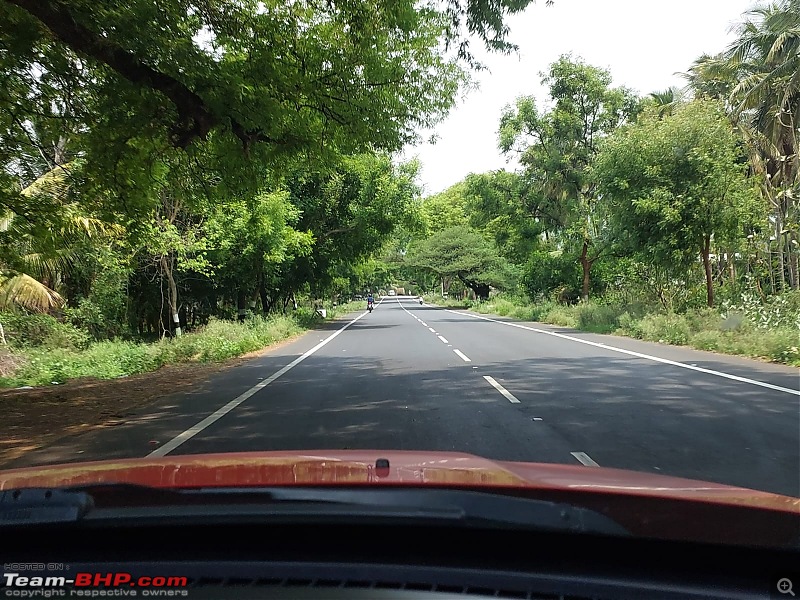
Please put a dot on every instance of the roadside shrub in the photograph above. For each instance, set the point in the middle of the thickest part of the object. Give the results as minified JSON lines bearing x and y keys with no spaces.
{"x":24,"y":330}
{"x":777,"y":345}
{"x":666,"y":329}
{"x":219,"y":340}
{"x":10,"y":362}
{"x":566,"y":316}
{"x":629,"y":325}
{"x":782,"y":310}
{"x":704,"y":319}
{"x":599,"y":318}
{"x":104,"y":360}
{"x":539,"y":311}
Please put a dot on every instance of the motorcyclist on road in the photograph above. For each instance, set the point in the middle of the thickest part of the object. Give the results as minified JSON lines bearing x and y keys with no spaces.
{"x":370,"y":300}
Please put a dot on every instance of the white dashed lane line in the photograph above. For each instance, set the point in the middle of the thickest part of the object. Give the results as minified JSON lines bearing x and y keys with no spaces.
{"x":509,"y":396}
{"x":444,"y":340}
{"x":584,"y":459}
{"x":463,"y":356}
{"x":431,"y":329}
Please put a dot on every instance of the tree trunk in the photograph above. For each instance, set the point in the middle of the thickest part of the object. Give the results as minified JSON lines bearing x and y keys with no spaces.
{"x":241,"y":304}
{"x":587,"y":265}
{"x":793,"y":283}
{"x":706,"y":250}
{"x":481,"y":291}
{"x":781,"y":263}
{"x":266,"y":305}
{"x":172,"y":298}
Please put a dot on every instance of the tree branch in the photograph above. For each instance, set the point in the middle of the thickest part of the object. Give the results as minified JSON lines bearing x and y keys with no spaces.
{"x":194,"y":117}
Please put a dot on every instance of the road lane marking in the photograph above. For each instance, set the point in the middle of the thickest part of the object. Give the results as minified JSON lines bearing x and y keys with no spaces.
{"x":509,"y":396}
{"x":537,"y":418}
{"x":584,"y":459}
{"x":424,"y":323}
{"x":431,"y":329}
{"x":444,"y":340}
{"x":462,"y":355}
{"x":665,"y":361}
{"x":221,"y":412}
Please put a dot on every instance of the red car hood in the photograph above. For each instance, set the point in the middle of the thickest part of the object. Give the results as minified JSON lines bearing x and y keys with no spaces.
{"x":357,"y":467}
{"x":647,"y":504}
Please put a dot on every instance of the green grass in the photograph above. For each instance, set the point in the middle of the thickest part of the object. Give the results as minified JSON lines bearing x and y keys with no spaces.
{"x":217,"y":341}
{"x":447,"y":302}
{"x":704,"y":329}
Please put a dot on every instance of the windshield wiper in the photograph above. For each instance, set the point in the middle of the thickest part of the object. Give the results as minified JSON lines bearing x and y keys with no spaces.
{"x":139,"y":504}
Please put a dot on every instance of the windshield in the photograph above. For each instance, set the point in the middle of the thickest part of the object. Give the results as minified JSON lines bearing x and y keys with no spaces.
{"x":537,"y":245}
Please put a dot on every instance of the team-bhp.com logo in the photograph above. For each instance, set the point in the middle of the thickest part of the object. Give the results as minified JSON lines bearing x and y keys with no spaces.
{"x":92,"y":585}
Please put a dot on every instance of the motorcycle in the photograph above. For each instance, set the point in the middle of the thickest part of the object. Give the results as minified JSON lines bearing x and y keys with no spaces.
{"x":420,"y":300}
{"x":370,"y":306}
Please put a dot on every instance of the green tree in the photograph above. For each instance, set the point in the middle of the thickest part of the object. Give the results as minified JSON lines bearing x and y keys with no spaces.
{"x":758,"y":79}
{"x":557,"y":147}
{"x":671,"y":185}
{"x":460,"y":253}
{"x":499,"y":204}
{"x":765,"y":58}
{"x":445,"y":209}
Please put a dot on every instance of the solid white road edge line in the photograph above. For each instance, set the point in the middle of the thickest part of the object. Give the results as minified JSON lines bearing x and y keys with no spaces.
{"x":584,"y":459}
{"x":444,"y":340}
{"x":463,"y":356}
{"x":501,"y":389}
{"x":221,"y":412}
{"x":665,"y":361}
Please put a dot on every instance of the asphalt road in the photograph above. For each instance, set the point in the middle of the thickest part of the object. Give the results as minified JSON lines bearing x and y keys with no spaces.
{"x":424,"y":378}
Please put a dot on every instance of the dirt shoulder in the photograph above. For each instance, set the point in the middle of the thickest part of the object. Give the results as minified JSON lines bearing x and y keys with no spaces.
{"x":36,"y":417}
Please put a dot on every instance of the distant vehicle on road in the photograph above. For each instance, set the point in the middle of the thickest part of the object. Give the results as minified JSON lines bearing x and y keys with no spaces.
{"x":392,"y":293}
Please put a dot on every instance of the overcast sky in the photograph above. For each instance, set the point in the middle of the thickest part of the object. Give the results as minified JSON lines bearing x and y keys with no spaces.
{"x":641,"y":42}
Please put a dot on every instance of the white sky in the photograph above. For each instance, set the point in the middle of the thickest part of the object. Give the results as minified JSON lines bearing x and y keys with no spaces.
{"x":641,"y":42}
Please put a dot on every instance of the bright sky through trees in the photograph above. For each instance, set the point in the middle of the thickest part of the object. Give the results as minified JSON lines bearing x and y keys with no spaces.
{"x":643,"y":44}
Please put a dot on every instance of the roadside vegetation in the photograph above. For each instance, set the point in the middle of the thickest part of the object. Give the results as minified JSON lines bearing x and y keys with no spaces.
{"x":45,"y":351}
{"x":753,"y":329}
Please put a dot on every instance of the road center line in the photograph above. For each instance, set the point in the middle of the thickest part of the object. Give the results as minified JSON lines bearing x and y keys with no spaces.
{"x":464,"y":357}
{"x":221,"y":412}
{"x":509,"y":396}
{"x":431,"y":329}
{"x":444,"y":340}
{"x":584,"y":459}
{"x":665,"y":361}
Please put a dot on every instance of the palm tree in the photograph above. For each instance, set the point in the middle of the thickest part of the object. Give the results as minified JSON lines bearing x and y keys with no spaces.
{"x":766,"y":60}
{"x":35,"y":255}
{"x":667,"y":100}
{"x":711,"y":77}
